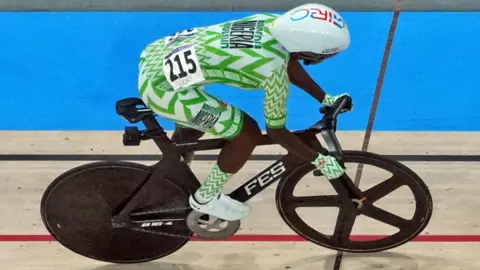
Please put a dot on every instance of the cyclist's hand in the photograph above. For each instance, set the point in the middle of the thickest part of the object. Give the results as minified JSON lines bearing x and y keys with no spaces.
{"x":329,"y":167}
{"x":330,"y":100}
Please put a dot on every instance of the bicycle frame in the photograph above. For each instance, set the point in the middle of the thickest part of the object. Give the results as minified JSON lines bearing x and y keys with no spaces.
{"x":269,"y":175}
{"x":172,"y":158}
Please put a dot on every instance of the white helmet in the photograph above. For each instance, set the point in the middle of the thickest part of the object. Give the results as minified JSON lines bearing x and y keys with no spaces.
{"x":311,"y":28}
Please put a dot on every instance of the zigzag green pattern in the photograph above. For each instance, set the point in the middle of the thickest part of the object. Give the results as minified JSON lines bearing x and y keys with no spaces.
{"x":243,"y":68}
{"x":219,"y":76}
{"x":212,"y":186}
{"x":251,"y":52}
{"x":230,"y":60}
{"x":276,"y":93}
{"x":329,"y":167}
{"x":189,"y":102}
{"x":250,"y":69}
{"x":268,"y":46}
{"x":204,"y":39}
{"x":153,"y":64}
{"x":171,"y":104}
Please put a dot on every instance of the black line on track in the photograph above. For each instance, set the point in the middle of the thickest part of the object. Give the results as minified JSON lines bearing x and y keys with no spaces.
{"x":98,"y":157}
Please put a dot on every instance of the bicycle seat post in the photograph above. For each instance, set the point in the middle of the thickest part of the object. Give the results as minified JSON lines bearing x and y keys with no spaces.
{"x":156,"y":132}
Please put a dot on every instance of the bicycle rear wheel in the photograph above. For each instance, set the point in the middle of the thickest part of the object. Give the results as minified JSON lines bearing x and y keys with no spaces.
{"x":77,"y":209}
{"x":287,"y":204}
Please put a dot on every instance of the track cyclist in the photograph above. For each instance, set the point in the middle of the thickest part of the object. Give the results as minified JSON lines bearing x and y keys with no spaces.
{"x":262,"y":51}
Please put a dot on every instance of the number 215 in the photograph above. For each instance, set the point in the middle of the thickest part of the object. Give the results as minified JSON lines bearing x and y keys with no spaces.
{"x":192,"y":67}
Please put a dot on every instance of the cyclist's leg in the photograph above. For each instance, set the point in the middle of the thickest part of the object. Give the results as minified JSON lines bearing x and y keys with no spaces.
{"x":186,"y":135}
{"x":243,"y":143}
{"x":196,"y":109}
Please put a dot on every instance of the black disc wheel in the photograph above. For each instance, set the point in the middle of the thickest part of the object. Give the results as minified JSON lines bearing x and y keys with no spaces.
{"x":341,"y":238}
{"x":77,"y":209}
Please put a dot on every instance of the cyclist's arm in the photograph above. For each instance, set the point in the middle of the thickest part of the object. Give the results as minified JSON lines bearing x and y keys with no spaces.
{"x":299,"y":77}
{"x":275,"y":109}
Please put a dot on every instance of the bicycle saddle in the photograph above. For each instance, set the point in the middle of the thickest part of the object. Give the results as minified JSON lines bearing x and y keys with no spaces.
{"x":133,"y":109}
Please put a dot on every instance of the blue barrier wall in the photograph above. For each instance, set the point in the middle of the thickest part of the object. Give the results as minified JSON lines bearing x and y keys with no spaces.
{"x":64,"y":71}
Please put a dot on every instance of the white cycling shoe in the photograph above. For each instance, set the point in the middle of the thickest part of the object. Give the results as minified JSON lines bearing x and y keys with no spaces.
{"x":222,"y":206}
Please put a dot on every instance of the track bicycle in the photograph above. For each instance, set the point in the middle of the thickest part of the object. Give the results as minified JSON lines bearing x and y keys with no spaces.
{"x":126,"y":212}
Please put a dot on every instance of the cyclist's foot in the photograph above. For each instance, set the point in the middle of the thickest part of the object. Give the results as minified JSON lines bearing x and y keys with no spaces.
{"x":221,"y":206}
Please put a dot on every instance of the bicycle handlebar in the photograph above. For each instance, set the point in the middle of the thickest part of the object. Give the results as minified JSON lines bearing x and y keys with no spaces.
{"x":327,"y":126}
{"x":329,"y":120}
{"x":340,"y":106}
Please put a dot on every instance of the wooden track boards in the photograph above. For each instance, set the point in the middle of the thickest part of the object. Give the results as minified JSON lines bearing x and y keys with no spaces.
{"x":454,"y":187}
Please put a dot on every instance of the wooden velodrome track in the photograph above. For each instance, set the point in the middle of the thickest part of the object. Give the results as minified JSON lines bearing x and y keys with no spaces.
{"x":31,"y":160}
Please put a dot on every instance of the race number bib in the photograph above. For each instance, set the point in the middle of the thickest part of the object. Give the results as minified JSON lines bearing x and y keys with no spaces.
{"x":182,"y":68}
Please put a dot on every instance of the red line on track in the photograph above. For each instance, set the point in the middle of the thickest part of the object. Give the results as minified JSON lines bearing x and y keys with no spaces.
{"x":270,"y":238}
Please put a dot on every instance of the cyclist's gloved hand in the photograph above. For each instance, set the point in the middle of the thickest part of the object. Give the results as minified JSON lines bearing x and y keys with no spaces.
{"x":330,"y":100}
{"x":329,"y":166}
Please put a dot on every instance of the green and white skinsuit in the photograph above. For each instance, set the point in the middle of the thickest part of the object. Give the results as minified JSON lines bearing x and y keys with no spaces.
{"x":241,"y":53}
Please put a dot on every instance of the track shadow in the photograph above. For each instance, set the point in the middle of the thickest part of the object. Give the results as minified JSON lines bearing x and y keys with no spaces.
{"x":381,"y":260}
{"x":253,"y":261}
{"x":186,"y":263}
{"x":150,"y":266}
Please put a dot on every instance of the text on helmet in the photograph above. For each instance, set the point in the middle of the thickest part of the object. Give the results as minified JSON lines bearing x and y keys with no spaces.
{"x":317,"y":14}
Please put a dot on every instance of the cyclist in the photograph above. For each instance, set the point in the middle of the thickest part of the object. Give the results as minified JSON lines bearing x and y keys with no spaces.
{"x":262,"y":51}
